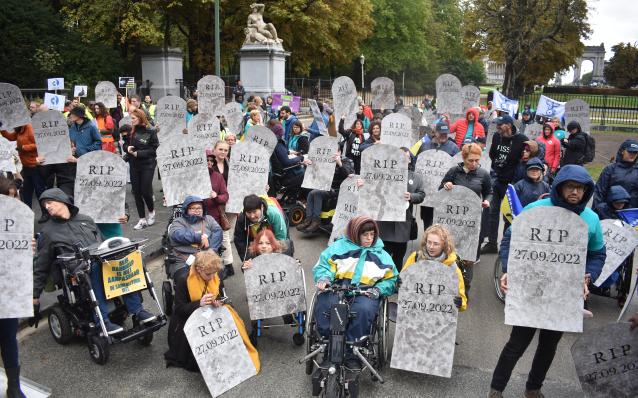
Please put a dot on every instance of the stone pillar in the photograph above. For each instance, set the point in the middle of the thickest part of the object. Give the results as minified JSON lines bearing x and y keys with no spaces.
{"x":262,"y":68}
{"x":163,"y":70}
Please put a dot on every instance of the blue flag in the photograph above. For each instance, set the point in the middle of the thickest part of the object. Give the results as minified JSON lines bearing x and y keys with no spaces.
{"x":630,"y":216}
{"x":512,"y":198}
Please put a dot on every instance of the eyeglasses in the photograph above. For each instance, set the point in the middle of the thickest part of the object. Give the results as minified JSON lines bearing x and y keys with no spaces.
{"x":574,"y":187}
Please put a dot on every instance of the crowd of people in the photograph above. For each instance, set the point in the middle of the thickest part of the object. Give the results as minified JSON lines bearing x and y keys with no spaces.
{"x":545,"y":171}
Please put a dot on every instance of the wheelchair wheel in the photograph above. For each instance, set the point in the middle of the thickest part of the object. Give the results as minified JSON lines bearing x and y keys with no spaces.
{"x":167,"y":297}
{"x":498,"y":272}
{"x":382,"y":335}
{"x":60,"y":325}
{"x":310,"y":333}
{"x":253,"y":334}
{"x":296,"y":214}
{"x":99,"y":349}
{"x":332,"y":388}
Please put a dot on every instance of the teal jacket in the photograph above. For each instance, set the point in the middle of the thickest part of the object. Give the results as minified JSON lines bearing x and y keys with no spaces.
{"x":344,"y":260}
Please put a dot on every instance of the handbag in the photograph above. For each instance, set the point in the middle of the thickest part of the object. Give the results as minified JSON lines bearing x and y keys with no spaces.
{"x":223,"y":218}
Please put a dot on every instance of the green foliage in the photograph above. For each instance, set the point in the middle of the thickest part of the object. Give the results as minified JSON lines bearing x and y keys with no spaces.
{"x":622,"y":70}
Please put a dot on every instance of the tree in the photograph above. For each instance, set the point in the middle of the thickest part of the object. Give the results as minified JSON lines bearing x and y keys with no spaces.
{"x":535,"y":39}
{"x":621,"y":71}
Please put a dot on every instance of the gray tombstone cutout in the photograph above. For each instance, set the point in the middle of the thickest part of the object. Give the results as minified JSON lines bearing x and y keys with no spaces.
{"x":459,"y":210}
{"x":486,"y":162}
{"x":545,"y":271}
{"x":248,"y":173}
{"x":211,"y":97}
{"x":262,"y":136}
{"x":396,"y":130}
{"x":16,"y":284}
{"x":13,"y":110}
{"x":234,"y":117}
{"x":182,"y":164}
{"x":7,"y":151}
{"x":126,"y":120}
{"x":456,"y":159}
{"x":620,"y":242}
{"x":578,"y":111}
{"x":170,"y":116}
{"x":106,"y":93}
{"x":346,"y":208}
{"x":318,"y":117}
{"x":415,"y":116}
{"x":426,"y":319}
{"x":533,"y":131}
{"x":218,"y":349}
{"x":382,"y":93}
{"x":471,"y":96}
{"x":428,"y":117}
{"x":384,"y":170}
{"x":448,"y":95}
{"x":320,"y":173}
{"x":100,"y":186}
{"x":274,"y":286}
{"x":606,"y":361}
{"x":205,"y":128}
{"x":631,"y":304}
{"x":344,"y":96}
{"x":51,"y":137}
{"x":432,"y":165}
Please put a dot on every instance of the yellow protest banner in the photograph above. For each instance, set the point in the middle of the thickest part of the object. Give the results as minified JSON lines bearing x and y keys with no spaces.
{"x":123,"y":276}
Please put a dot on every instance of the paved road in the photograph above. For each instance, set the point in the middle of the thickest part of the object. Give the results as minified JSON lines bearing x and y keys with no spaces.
{"x":137,"y":371}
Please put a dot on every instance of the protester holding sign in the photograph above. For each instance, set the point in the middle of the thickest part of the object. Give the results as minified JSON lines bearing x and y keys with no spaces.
{"x":353,"y":138}
{"x":441,"y":141}
{"x":83,"y":133}
{"x":289,"y":166}
{"x":195,"y":287}
{"x":106,"y":127}
{"x":468,"y":127}
{"x":253,"y":120}
{"x":288,"y":119}
{"x":28,"y":153}
{"x":623,"y":172}
{"x":374,"y":136}
{"x":572,"y":189}
{"x":258,"y":214}
{"x":617,"y":199}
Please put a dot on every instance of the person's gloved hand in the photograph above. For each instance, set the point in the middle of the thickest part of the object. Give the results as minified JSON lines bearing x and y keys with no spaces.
{"x":35,"y":319}
{"x":458,"y":302}
{"x":399,"y":282}
{"x":373,"y":293}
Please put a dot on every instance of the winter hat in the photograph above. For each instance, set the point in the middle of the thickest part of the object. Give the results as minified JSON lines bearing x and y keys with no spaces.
{"x":505,"y":119}
{"x":278,"y":130}
{"x":573,"y":125}
{"x":535,"y":163}
{"x":78,"y":111}
{"x":631,"y":146}
{"x":617,"y":193}
{"x":355,"y":226}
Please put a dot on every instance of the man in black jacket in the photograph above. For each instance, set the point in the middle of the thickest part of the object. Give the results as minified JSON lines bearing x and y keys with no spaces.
{"x":574,"y":145}
{"x":506,"y":152}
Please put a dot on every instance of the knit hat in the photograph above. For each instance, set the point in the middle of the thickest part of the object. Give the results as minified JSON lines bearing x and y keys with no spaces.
{"x":356,"y":225}
{"x":278,"y":130}
{"x":78,"y":111}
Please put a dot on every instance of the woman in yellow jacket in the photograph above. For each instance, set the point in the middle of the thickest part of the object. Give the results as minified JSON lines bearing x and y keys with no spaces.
{"x":438,"y":245}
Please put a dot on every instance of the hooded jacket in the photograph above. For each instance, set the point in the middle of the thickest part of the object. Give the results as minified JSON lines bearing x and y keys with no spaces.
{"x":245,"y":231}
{"x":58,"y":236}
{"x":461,"y":126}
{"x":620,"y":173}
{"x":448,"y":147}
{"x":521,"y":167}
{"x":607,"y":211}
{"x":575,"y":146}
{"x":552,"y":147}
{"x":186,"y":232}
{"x":25,"y":144}
{"x":86,"y":137}
{"x":506,"y":153}
{"x":528,"y":191}
{"x":596,"y":252}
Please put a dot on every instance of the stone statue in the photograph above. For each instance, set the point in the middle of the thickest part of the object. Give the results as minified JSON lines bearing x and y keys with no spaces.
{"x":257,"y":31}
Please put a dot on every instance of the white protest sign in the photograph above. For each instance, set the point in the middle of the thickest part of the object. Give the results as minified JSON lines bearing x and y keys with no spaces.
{"x":80,"y":91}
{"x":344,"y":96}
{"x":211,"y":95}
{"x":205,"y":128}
{"x":396,"y":130}
{"x":432,"y":165}
{"x":234,"y":117}
{"x":382,"y":93}
{"x":56,"y":83}
{"x":318,"y":117}
{"x":346,"y":208}
{"x":170,"y":116}
{"x":578,"y":111}
{"x":448,"y":95}
{"x":54,"y":101}
{"x":262,"y":136}
{"x":549,"y":107}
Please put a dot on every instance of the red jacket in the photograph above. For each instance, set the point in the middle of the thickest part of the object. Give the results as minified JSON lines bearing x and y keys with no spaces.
{"x":552,"y":148}
{"x":25,"y":141}
{"x":460,"y":127}
{"x":219,"y":186}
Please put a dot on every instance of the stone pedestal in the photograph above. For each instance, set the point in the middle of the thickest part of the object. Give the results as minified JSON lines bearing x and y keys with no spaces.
{"x":163,"y":70}
{"x":263,"y":68}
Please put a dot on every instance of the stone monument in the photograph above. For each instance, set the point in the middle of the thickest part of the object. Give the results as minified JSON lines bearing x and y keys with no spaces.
{"x":262,"y":57}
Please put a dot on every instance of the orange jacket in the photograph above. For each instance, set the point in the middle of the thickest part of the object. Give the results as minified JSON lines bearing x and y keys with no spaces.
{"x":25,"y":144}
{"x":460,"y":127}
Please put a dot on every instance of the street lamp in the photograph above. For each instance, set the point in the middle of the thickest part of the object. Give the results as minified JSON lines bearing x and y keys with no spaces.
{"x":363,"y":60}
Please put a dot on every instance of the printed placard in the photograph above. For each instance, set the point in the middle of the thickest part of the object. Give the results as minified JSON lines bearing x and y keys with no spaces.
{"x":578,"y":111}
{"x":620,"y":242}
{"x":234,"y":117}
{"x":448,"y":95}
{"x":262,"y":136}
{"x":123,"y":276}
{"x":317,"y":117}
{"x":7,"y":153}
{"x":55,"y":83}
{"x":170,"y":116}
{"x":344,"y":97}
{"x":432,"y":165}
{"x":106,"y":93}
{"x":80,"y":91}
{"x":54,"y":101}
{"x":205,"y":128}
{"x":396,"y":130}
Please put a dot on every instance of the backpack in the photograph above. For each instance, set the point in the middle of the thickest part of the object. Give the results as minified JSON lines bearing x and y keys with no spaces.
{"x":590,"y":148}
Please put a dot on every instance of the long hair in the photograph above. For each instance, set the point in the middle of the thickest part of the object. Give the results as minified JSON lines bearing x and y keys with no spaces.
{"x":254,"y":245}
{"x":141,"y":116}
{"x":103,"y":111}
{"x":441,"y":232}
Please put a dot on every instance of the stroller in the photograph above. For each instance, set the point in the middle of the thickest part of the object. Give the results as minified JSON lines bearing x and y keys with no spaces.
{"x":74,"y":314}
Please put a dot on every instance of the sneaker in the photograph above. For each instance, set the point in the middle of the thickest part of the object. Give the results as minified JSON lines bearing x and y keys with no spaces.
{"x":304,"y":224}
{"x":489,"y":248}
{"x":314,"y":225}
{"x":113,"y":328}
{"x":495,"y":394}
{"x":151,"y":218}
{"x":144,"y":316}
{"x":141,"y":224}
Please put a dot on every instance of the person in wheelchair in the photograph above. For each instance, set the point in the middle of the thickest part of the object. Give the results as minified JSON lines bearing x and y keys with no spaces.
{"x":198,"y":286}
{"x":316,"y":197}
{"x":192,"y":232}
{"x":355,"y":259}
{"x":288,"y":169}
{"x":438,"y":245}
{"x":64,"y":228}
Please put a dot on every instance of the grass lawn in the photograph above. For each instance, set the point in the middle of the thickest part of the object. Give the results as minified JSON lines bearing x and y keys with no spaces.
{"x":594,"y":170}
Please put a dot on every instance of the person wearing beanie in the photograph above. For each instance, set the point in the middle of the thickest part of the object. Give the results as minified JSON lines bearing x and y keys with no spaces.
{"x":575,"y":145}
{"x":623,"y":172}
{"x":617,"y":199}
{"x":83,"y":132}
{"x":530,"y":188}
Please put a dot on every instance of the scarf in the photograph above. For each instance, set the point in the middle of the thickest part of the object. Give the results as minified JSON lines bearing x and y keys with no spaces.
{"x":357,"y":131}
{"x":197,"y":287}
{"x":423,"y":254}
{"x":292,"y":142}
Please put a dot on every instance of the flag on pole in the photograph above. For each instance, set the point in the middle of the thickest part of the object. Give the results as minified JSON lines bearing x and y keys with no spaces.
{"x":550,"y":108}
{"x":502,"y":103}
{"x":630,"y":216}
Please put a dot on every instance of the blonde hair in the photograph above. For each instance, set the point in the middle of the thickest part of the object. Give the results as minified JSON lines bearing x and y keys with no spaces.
{"x":441,"y":232}
{"x":254,"y":112}
{"x":471,"y":148}
{"x":208,"y":260}
{"x":220,"y":142}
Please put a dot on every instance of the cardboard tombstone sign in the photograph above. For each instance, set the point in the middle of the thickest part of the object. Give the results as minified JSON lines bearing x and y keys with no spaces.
{"x":234,"y":117}
{"x":262,"y":136}
{"x":16,"y":284}
{"x":545,"y":271}
{"x":448,"y":95}
{"x":170,"y":116}
{"x":320,"y":173}
{"x":182,"y":164}
{"x":620,"y":242}
{"x":396,"y":130}
{"x":218,"y":348}
{"x":486,"y":161}
{"x":533,"y":130}
{"x":344,"y":96}
{"x":205,"y":128}
{"x":317,"y":117}
{"x":100,"y":186}
{"x":106,"y":93}
{"x":606,"y":361}
{"x":578,"y":111}
{"x":51,"y":134}
{"x":248,"y":173}
{"x":428,"y":117}
{"x":211,"y":95}
{"x":456,"y":159}
{"x":459,"y":210}
{"x":275,"y":286}
{"x":426,"y":319}
{"x":415,"y":116}
{"x":7,"y":152}
{"x":346,"y":208}
{"x":432,"y":165}
{"x":382,"y":93}
{"x":631,"y":303}
{"x":384,"y":170}
{"x":13,"y":110}
{"x":471,"y":96}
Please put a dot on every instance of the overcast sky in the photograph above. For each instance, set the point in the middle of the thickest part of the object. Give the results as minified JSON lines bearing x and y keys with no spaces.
{"x":612,"y":21}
